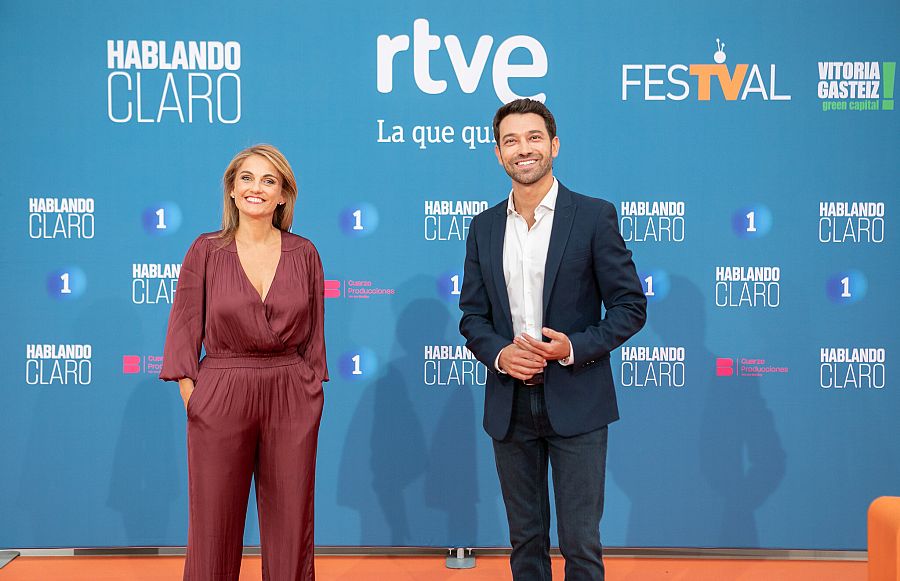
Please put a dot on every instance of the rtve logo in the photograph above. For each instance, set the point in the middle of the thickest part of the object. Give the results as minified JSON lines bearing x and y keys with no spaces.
{"x":468,"y":72}
{"x":679,"y":88}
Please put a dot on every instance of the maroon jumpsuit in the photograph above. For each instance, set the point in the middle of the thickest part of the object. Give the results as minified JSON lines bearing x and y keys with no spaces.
{"x":255,"y":408}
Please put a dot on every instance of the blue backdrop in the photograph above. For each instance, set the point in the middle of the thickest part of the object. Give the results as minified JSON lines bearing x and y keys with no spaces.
{"x":729,"y":137}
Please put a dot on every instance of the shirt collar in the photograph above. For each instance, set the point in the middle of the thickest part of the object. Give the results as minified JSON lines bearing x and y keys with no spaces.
{"x":549,"y":201}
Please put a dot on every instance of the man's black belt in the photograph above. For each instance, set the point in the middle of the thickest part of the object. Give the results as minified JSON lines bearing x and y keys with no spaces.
{"x":536,"y":379}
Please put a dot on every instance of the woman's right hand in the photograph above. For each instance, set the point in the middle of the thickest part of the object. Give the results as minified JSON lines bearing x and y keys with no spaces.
{"x":186,"y":386}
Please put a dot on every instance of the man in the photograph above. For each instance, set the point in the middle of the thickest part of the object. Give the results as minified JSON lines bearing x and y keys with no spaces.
{"x":538,"y":266}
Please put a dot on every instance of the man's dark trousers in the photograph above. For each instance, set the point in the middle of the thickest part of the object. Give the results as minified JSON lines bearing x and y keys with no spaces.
{"x":579,"y":466}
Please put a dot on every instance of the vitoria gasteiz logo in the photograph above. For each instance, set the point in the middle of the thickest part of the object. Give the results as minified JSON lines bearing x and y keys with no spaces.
{"x":856,"y":85}
{"x":700,"y":81}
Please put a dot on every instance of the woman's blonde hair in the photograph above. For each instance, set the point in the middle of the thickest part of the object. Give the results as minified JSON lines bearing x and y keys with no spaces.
{"x":284,"y":214}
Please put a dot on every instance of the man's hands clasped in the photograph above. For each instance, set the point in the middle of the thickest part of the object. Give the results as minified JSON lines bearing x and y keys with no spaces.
{"x":527,"y":356}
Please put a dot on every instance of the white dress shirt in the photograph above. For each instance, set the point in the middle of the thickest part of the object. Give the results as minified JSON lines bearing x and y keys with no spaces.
{"x":524,"y":260}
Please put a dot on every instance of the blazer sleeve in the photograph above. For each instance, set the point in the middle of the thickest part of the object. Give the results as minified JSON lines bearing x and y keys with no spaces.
{"x":621,"y":290}
{"x":476,"y":324}
{"x":314,"y":351}
{"x":184,"y":337}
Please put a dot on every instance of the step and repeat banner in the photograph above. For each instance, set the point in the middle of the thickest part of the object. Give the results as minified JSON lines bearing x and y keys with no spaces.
{"x":751,"y":152}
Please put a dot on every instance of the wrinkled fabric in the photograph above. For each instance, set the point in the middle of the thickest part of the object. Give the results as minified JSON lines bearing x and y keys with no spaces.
{"x":256,"y":405}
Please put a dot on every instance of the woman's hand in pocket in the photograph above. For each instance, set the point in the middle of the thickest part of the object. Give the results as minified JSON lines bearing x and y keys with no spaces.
{"x":186,"y":385}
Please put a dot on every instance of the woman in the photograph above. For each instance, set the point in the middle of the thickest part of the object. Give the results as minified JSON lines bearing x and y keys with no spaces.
{"x":252,"y":293}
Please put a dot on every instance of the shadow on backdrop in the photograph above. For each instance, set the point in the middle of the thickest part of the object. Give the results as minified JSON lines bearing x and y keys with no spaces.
{"x":712,"y":456}
{"x":78,"y":462}
{"x":417,"y":441}
{"x":145,"y":479}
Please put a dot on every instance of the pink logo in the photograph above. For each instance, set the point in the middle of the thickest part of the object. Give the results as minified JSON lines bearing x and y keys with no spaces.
{"x":131,"y":364}
{"x":332,"y":289}
{"x":724,"y":366}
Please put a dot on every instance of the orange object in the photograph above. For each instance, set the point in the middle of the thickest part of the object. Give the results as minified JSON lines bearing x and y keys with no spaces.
{"x":330,"y":568}
{"x":884,"y":539}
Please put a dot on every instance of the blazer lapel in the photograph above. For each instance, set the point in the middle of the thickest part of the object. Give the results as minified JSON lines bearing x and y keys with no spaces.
{"x":498,"y":234}
{"x":563,"y":218}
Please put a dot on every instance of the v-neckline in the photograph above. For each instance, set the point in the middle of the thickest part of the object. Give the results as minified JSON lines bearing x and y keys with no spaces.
{"x":262,"y":299}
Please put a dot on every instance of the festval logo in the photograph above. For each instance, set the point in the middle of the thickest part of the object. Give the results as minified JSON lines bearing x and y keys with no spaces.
{"x":680,"y":81}
{"x":162,"y":219}
{"x":856,"y":85}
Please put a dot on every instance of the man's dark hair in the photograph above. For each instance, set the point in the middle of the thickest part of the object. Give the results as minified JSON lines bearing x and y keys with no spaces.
{"x":520,"y":107}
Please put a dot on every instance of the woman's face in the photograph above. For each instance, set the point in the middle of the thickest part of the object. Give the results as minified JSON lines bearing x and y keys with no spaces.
{"x":257,"y":188}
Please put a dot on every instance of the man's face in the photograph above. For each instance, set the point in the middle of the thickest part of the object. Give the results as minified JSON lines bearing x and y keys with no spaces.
{"x":525,"y":149}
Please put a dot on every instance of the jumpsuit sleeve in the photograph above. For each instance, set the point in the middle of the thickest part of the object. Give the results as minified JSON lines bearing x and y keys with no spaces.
{"x":181,"y":356}
{"x":314,"y":351}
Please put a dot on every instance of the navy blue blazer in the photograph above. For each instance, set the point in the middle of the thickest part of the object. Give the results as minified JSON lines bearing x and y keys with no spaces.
{"x":587,"y":264}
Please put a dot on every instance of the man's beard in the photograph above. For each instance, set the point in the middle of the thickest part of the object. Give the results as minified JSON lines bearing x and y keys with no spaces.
{"x":528,"y":177}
